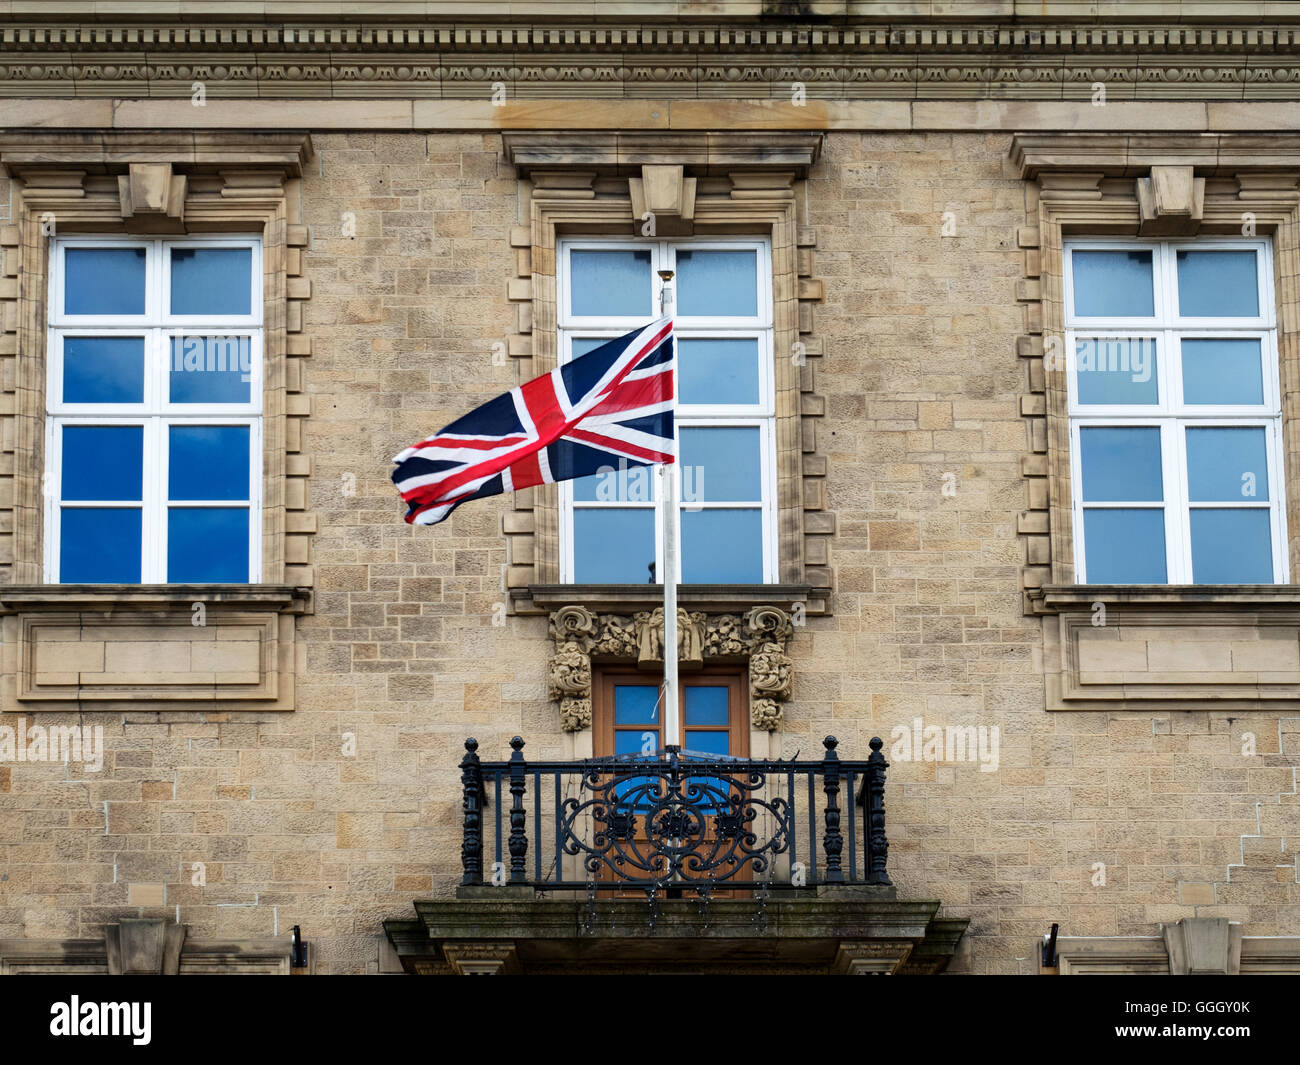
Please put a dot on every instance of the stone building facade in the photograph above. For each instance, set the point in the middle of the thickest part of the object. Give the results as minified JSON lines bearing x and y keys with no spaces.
{"x":285,"y":751}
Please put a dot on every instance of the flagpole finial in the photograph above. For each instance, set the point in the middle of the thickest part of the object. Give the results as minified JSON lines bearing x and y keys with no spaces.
{"x":665,"y":293}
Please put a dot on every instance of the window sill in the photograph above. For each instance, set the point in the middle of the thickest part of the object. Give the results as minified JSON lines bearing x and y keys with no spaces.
{"x":630,"y":598}
{"x":18,"y":598}
{"x":1059,"y":598}
{"x":1170,"y":647}
{"x":155,"y":648}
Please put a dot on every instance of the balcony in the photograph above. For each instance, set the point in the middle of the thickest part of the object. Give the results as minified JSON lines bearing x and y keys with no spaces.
{"x":674,"y":863}
{"x":674,"y":824}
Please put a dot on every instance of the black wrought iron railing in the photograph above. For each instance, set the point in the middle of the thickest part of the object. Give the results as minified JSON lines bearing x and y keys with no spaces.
{"x":674,"y":823}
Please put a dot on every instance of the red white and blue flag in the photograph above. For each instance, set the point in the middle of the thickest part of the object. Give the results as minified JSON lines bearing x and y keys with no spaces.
{"x":610,"y":408}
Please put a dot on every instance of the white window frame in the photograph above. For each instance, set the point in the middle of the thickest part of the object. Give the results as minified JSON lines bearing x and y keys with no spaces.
{"x":1170,"y":414}
{"x":761,"y":414}
{"x":155,"y":413}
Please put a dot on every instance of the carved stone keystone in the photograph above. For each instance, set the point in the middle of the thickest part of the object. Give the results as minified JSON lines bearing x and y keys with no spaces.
{"x":1171,"y":201}
{"x":153,"y":198}
{"x":144,"y":946}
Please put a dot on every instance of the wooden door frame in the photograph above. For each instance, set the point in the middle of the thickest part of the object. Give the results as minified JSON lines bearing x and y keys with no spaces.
{"x":602,"y":704}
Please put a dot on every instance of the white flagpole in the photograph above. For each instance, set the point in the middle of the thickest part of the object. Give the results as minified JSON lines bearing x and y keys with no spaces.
{"x":671,"y":725}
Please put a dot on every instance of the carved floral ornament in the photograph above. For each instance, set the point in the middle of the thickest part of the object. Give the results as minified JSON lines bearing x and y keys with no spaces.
{"x":760,"y":635}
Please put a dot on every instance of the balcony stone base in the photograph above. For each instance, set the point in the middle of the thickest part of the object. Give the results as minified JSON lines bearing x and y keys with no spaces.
{"x":851,"y":931}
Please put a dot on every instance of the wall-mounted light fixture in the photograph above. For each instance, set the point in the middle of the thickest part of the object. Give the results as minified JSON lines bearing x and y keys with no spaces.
{"x":298,"y":955}
{"x":1049,"y":949}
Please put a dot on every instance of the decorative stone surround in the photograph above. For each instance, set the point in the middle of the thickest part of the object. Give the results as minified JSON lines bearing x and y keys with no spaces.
{"x":681,"y":57}
{"x":90,"y":183}
{"x":1102,"y":184}
{"x":713,"y":183}
{"x":760,"y":636}
{"x":1151,"y":648}
{"x":149,"y":183}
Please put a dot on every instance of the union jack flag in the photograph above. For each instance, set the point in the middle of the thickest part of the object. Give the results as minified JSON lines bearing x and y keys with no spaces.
{"x":610,"y":407}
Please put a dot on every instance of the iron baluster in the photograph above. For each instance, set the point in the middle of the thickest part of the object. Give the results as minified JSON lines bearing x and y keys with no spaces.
{"x":518,"y":816}
{"x":471,"y":847}
{"x":873,"y":814}
{"x":833,"y":844}
{"x":537,"y":823}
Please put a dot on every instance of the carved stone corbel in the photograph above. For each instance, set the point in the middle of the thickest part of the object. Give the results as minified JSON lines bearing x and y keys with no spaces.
{"x":769,"y":686}
{"x":569,"y":682}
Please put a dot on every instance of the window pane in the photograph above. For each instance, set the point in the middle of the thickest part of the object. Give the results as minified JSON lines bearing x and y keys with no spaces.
{"x":722,"y":547}
{"x":103,"y":369}
{"x":211,"y":280}
{"x":613,"y":546}
{"x":1113,"y":284}
{"x":610,"y":282}
{"x":710,"y":743}
{"x":718,"y":371}
{"x":1125,"y":546}
{"x":1227,"y":465}
{"x":630,"y":741}
{"x":207,"y":544}
{"x":636,"y":704}
{"x":99,"y":545}
{"x":619,"y":482}
{"x":1120,"y":464}
{"x":103,"y":461}
{"x":1116,"y":370}
{"x":211,"y":369}
{"x":1222,"y":371}
{"x":208,"y":462}
{"x":707,"y":704}
{"x":1217,"y":284}
{"x":103,"y":281}
{"x":1231,"y":546}
{"x":721,"y":465}
{"x":585,"y":345}
{"x":717,"y":283}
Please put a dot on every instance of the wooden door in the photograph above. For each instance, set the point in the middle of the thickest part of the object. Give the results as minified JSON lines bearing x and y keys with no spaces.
{"x":713,"y":721}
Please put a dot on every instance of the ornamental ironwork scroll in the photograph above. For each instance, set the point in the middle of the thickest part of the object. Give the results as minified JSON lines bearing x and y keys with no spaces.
{"x":671,"y":820}
{"x":760,"y":635}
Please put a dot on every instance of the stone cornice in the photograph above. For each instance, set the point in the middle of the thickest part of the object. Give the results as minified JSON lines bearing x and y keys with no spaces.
{"x":43,"y":149}
{"x":1129,"y":155}
{"x":511,"y":34}
{"x":745,"y":58}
